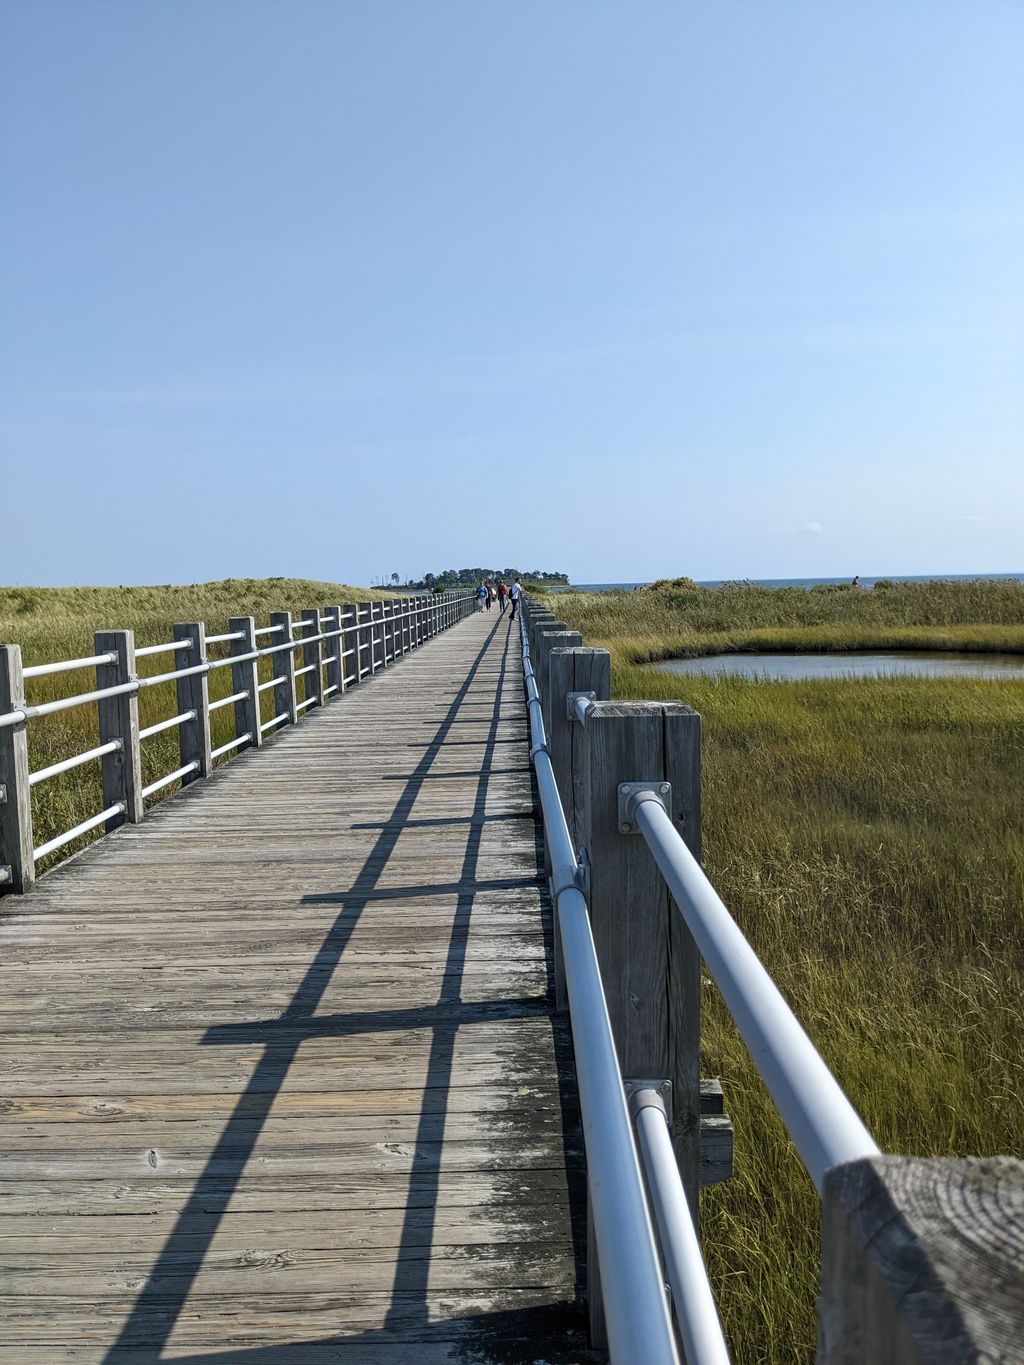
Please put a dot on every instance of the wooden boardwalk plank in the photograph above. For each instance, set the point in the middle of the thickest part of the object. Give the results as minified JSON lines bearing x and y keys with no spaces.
{"x":280,"y":1076}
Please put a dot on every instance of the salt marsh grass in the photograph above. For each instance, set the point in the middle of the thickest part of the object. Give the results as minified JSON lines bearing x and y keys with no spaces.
{"x":867,"y":835}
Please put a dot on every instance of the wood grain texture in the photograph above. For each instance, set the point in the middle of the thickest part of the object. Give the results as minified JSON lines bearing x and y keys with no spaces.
{"x":682,"y":770}
{"x":283,"y":666}
{"x":281,"y":1077}
{"x":16,"y":808}
{"x":119,"y":719}
{"x":245,"y":677}
{"x":922,"y":1262}
{"x":193,"y":694}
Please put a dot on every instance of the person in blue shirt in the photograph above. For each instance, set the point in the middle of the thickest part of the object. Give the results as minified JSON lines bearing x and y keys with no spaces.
{"x":481,"y":597}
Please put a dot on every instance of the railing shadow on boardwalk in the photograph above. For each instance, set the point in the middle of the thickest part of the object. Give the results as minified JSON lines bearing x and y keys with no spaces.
{"x":496,"y":1336}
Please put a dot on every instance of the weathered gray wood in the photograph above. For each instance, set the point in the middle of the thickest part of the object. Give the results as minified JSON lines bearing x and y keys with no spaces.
{"x":193,"y":694}
{"x":628,"y":902}
{"x":350,"y":650}
{"x":378,"y":657}
{"x":577,"y":669}
{"x":312,"y":656}
{"x":922,"y":1262}
{"x":651,"y":974}
{"x":683,"y":771}
{"x":277,"y":1068}
{"x":245,"y":677}
{"x":283,"y":664}
{"x":556,"y":638}
{"x":333,"y":649}
{"x":592,"y":672}
{"x":364,"y":654}
{"x":17,"y":867}
{"x":119,"y":719}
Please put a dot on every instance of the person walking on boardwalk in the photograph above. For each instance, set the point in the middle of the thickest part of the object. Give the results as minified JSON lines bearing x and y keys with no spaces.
{"x":481,"y":597}
{"x":514,"y":593}
{"x":490,"y":594}
{"x":502,"y":596}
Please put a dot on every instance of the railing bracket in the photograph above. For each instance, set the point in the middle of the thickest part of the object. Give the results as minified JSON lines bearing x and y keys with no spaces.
{"x":648,"y":1093}
{"x":630,"y":796}
{"x":3,"y":793}
{"x":5,"y":874}
{"x":571,"y":698}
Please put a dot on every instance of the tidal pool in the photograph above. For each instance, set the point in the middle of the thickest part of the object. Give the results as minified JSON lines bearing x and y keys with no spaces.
{"x":919,"y":663}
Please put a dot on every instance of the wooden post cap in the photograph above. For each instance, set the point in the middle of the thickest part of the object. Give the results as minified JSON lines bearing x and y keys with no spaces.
{"x":922,"y":1261}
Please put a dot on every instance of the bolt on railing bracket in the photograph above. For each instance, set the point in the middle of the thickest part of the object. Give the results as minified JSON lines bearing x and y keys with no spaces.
{"x":571,"y":698}
{"x":576,"y":878}
{"x":631,"y":794}
{"x":583,"y":873}
{"x":648,"y":1093}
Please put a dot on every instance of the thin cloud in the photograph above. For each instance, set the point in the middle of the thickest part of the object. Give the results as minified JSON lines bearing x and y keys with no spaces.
{"x":808,"y":528}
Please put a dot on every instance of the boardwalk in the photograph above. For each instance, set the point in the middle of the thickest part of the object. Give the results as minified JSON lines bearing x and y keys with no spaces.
{"x":280,"y":1077}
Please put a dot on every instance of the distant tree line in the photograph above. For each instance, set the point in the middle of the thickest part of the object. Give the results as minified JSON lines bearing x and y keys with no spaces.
{"x":467,"y":578}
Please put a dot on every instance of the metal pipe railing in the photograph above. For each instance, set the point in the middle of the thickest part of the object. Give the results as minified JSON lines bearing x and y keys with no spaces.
{"x":162,"y":782}
{"x":65,"y":665}
{"x":168,"y":724}
{"x":636,"y":1313}
{"x":825,"y":1128}
{"x":692,"y":1297}
{"x":231,"y":744}
{"x":67,"y":764}
{"x":143,"y":651}
{"x":54,"y":844}
{"x":226,"y":701}
{"x":19,"y":712}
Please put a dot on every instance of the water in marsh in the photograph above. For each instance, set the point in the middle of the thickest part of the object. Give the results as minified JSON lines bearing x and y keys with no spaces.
{"x":921,"y":663}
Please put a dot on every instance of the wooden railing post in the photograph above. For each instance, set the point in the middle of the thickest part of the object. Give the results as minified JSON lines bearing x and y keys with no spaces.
{"x":313,"y":656}
{"x":363,"y":638}
{"x":649,"y":965}
{"x":245,"y":677}
{"x":395,"y":614}
{"x":119,"y":719}
{"x":193,"y":694}
{"x":284,"y":667}
{"x":552,"y":637}
{"x":17,"y":865}
{"x":594,"y":669}
{"x":922,"y":1262}
{"x":333,"y":650}
{"x":376,"y":637}
{"x":349,"y":646}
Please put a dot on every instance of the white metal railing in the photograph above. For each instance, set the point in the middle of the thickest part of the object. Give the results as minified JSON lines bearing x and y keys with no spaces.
{"x":824,"y":1126}
{"x":326,"y":637}
{"x":635,"y":1309}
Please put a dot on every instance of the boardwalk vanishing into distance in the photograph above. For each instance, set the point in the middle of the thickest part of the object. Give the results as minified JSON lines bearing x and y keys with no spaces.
{"x":381,"y":1041}
{"x":282,"y":1080}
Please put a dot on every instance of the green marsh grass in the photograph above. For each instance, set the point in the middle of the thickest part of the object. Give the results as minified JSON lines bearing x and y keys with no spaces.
{"x":867,"y":836}
{"x":59,"y":623}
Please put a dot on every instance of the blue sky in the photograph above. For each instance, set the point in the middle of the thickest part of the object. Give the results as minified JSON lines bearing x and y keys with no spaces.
{"x":343,"y":289}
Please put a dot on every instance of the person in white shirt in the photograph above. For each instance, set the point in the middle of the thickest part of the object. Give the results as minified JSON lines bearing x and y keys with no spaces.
{"x":513,"y":596}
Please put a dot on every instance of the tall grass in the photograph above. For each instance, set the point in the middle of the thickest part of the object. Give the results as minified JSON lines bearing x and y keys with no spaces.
{"x":59,"y":623}
{"x":867,"y":835}
{"x":672,"y":621}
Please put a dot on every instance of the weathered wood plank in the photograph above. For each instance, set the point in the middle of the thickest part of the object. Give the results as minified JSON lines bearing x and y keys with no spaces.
{"x":278,"y":1068}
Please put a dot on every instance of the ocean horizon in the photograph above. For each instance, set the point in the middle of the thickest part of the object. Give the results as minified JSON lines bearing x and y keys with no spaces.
{"x":864,"y":581}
